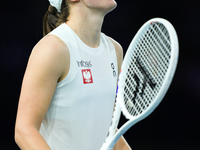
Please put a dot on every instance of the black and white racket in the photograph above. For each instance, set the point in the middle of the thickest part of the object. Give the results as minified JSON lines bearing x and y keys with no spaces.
{"x":146,"y":74}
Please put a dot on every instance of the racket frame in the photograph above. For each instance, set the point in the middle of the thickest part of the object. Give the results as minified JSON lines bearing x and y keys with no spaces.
{"x":110,"y":143}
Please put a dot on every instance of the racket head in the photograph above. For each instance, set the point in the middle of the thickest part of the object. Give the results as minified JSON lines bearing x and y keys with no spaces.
{"x":148,"y":68}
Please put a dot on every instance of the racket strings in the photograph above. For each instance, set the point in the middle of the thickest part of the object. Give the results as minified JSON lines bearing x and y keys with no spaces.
{"x":161,"y":42}
{"x":134,"y":106}
{"x":164,"y":36}
{"x":155,"y":57}
{"x":162,"y":48}
{"x":146,"y":72}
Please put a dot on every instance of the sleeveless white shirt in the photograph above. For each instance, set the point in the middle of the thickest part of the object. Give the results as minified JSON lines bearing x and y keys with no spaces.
{"x":81,"y":109}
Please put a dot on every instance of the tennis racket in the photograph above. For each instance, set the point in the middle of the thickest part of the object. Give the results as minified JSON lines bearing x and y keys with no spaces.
{"x":146,"y":74}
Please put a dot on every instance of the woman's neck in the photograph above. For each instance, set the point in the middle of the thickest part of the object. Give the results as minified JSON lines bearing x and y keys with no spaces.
{"x":87,"y":25}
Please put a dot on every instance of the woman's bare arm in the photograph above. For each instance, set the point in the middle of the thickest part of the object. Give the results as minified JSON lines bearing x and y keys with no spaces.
{"x":47,"y":65}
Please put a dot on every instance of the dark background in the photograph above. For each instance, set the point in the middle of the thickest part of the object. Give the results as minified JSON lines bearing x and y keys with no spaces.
{"x":174,"y":125}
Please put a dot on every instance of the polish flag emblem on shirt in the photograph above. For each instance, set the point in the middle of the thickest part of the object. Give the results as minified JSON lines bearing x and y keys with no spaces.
{"x":87,"y":76}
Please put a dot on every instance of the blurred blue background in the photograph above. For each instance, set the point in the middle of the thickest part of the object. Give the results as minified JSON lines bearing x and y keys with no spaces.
{"x":174,"y":125}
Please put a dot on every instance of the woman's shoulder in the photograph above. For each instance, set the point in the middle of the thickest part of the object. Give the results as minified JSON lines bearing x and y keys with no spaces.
{"x":119,"y":52}
{"x":50,"y":45}
{"x":50,"y":53}
{"x":118,"y":47}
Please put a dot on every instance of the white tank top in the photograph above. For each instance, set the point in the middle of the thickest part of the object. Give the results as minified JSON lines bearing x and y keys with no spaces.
{"x":80,"y":112}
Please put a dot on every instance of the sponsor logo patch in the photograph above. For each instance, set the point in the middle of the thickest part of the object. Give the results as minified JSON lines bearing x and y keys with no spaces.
{"x":87,"y":76}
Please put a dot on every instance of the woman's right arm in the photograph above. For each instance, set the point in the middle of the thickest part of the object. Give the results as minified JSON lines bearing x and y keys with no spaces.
{"x":48,"y":64}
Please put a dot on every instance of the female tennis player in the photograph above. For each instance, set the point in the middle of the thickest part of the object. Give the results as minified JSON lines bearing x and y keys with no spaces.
{"x":69,"y":87}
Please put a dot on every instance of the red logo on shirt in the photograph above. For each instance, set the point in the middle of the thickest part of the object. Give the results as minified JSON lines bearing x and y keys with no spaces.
{"x":87,"y":76}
